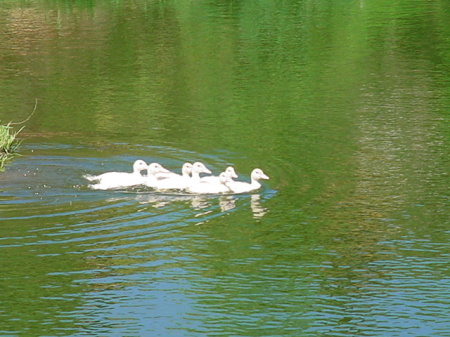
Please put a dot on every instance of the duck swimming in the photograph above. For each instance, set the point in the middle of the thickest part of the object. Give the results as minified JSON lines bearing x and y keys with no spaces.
{"x":112,"y":180}
{"x":174,"y":180}
{"x":198,"y":168}
{"x":186,"y":170}
{"x":153,"y":169}
{"x":190,"y":180}
{"x":242,"y":187}
{"x":230,"y":172}
{"x":214,"y":187}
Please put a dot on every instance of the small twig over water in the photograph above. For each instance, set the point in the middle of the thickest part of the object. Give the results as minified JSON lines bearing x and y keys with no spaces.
{"x":28,"y":118}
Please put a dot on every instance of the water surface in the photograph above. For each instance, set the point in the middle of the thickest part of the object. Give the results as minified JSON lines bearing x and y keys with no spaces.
{"x":343,"y":105}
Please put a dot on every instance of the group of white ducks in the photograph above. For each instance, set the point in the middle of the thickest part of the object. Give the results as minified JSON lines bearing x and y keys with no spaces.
{"x":189,"y":180}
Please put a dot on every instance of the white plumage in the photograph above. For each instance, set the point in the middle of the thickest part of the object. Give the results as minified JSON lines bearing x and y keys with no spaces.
{"x":214,"y":187}
{"x":190,"y":180}
{"x":230,"y":172}
{"x":198,"y":168}
{"x":242,"y":187}
{"x":113,"y":180}
{"x":153,"y":169}
{"x":175,"y":181}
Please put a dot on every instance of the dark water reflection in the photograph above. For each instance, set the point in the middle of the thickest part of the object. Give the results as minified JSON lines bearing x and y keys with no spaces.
{"x":343,"y":105}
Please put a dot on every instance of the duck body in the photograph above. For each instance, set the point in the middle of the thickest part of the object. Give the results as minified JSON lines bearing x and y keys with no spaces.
{"x":243,"y":187}
{"x":186,"y":170}
{"x":214,"y":187}
{"x":153,"y":169}
{"x":115,"y":180}
{"x":198,"y":168}
{"x":174,"y":180}
{"x":230,"y":172}
{"x":173,"y":183}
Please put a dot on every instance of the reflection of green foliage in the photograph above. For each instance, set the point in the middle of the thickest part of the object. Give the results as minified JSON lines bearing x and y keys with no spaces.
{"x":8,"y":144}
{"x":37,"y":286}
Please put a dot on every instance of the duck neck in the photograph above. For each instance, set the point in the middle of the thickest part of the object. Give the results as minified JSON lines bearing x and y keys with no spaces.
{"x":137,"y":173}
{"x":226,"y":184}
{"x":151,"y":176}
{"x":195,"y":177}
{"x":255,"y":183}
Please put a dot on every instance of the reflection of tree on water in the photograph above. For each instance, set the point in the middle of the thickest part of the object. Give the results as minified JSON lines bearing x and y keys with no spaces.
{"x":205,"y":204}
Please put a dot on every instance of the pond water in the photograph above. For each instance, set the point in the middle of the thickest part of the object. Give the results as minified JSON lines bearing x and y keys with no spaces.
{"x":344,"y":105}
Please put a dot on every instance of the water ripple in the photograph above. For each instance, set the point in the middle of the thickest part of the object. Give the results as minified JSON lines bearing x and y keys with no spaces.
{"x":60,"y":209}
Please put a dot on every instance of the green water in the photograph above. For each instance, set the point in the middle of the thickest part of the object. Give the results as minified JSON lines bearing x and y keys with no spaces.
{"x":344,"y":104}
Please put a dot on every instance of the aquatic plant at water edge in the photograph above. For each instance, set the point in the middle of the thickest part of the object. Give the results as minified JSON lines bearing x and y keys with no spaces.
{"x":8,"y":144}
{"x":8,"y":140}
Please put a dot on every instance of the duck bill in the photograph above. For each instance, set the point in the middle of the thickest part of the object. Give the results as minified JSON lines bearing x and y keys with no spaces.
{"x":265,"y":177}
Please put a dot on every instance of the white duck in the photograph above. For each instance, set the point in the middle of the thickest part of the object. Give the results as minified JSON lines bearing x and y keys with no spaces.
{"x":153,"y":169}
{"x":111,"y":180}
{"x":175,"y":181}
{"x":242,"y":187}
{"x":186,"y":170}
{"x":211,"y":187}
{"x":198,"y":168}
{"x":230,"y":172}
